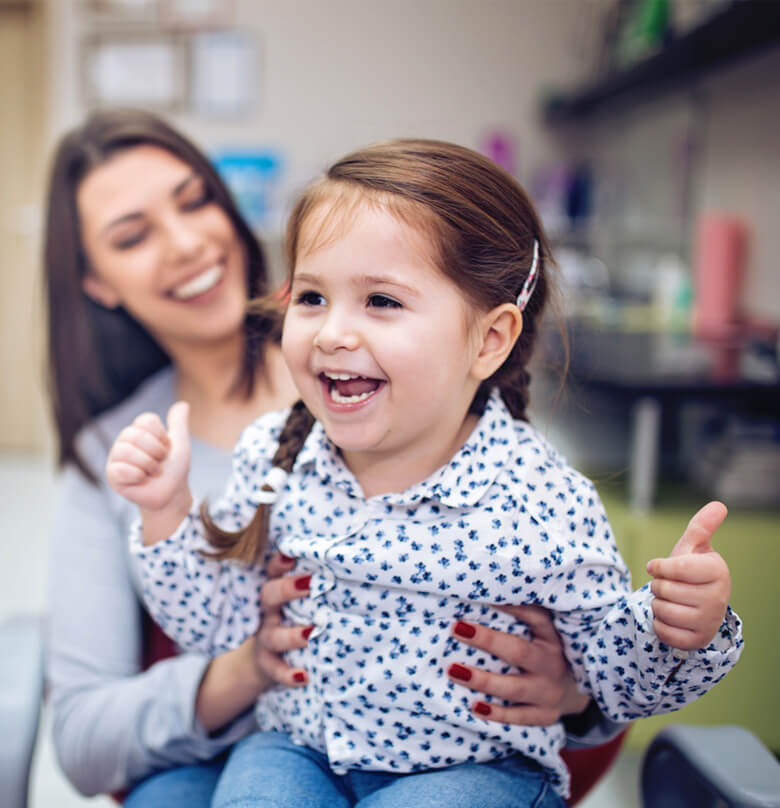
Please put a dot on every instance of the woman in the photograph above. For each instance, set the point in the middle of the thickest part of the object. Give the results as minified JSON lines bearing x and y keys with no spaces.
{"x":149,"y":266}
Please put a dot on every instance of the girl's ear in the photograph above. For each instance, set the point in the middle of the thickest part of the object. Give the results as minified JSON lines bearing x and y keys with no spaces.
{"x":499,"y":330}
{"x":98,"y":290}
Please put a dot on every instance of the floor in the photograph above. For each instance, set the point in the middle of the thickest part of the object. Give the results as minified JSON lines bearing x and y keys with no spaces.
{"x":27,"y":491}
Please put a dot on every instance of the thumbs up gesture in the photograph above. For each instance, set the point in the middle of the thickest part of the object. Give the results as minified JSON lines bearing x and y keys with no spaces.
{"x":148,"y":464}
{"x":692,"y":586}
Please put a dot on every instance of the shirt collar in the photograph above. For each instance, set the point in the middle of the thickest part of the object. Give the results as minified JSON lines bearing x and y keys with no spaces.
{"x":460,"y":483}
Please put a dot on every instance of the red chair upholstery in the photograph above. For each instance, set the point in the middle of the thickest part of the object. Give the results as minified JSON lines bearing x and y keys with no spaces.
{"x":587,"y":766}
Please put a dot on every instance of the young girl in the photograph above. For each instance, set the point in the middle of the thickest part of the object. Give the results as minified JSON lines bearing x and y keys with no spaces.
{"x":410,"y":485}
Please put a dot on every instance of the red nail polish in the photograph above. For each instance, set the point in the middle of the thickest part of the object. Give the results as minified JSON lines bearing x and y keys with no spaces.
{"x":308,"y":630}
{"x":464,"y":630}
{"x":459,"y":672}
{"x":286,"y":559}
{"x":482,"y":708}
{"x":299,"y":676}
{"x":303,"y":582}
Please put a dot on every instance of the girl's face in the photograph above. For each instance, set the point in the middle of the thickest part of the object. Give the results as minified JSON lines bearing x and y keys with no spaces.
{"x":379,"y":344}
{"x":159,"y":245}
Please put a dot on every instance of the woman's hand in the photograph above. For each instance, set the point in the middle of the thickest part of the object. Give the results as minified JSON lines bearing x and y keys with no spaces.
{"x":235,"y":680}
{"x":541,"y":691}
{"x":272,"y":638}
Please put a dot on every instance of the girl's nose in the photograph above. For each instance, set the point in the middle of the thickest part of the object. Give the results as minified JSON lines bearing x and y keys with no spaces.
{"x":336,"y":333}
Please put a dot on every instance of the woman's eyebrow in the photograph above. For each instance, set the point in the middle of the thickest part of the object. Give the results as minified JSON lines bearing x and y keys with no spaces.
{"x":135,"y":215}
{"x":185,"y":182}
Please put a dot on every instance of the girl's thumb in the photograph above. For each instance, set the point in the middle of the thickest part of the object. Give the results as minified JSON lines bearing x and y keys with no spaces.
{"x":698,"y":535}
{"x":178,"y":423}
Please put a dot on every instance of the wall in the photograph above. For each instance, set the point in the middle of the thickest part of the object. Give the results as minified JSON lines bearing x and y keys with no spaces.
{"x":340,"y":74}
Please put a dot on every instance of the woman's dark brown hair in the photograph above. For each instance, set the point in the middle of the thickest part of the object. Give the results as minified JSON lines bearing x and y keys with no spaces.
{"x":97,"y":357}
{"x":481,"y":226}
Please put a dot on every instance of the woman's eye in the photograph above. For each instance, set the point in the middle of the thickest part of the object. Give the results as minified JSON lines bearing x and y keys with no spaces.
{"x":310,"y":299}
{"x":196,"y":200}
{"x":127,"y":242}
{"x":383,"y":302}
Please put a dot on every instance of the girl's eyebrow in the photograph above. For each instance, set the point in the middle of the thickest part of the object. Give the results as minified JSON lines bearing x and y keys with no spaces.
{"x":134,"y":215}
{"x":360,"y":281}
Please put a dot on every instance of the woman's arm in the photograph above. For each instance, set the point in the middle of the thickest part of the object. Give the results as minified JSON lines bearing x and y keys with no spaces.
{"x":543,"y":691}
{"x":237,"y":677}
{"x":112,"y":724}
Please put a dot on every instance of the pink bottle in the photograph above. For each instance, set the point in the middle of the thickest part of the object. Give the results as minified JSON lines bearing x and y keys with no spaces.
{"x":719,"y":270}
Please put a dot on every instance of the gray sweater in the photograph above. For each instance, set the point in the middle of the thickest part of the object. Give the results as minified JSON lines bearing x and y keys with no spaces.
{"x":113,"y":724}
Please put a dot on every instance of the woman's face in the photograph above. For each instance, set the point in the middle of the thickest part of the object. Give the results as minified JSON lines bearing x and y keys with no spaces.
{"x":158,"y":244}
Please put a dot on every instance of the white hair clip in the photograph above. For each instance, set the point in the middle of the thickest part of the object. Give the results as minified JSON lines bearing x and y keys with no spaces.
{"x":530,"y":281}
{"x":272,"y":484}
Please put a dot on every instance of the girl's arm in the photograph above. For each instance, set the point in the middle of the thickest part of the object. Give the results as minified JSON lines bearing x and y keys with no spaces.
{"x":204,"y":604}
{"x":639,"y":657}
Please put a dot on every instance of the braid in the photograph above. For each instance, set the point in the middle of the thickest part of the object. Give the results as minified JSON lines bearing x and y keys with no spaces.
{"x":248,"y":544}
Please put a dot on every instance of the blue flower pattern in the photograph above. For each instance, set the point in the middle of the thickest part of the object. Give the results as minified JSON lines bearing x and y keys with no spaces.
{"x":507,"y":521}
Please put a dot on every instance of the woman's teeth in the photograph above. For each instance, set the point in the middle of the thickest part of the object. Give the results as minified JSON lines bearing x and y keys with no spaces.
{"x":199,"y":284}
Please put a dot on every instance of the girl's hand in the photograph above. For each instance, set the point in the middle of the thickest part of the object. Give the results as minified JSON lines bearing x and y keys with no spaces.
{"x":542,"y":690}
{"x":149,"y":466}
{"x":692,"y":586}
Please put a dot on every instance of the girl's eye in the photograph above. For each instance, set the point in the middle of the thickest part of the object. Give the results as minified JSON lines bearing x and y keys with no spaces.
{"x":383,"y":302}
{"x":310,"y":299}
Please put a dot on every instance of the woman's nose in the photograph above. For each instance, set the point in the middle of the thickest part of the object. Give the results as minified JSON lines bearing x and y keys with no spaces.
{"x":183,"y":239}
{"x":337,"y":332}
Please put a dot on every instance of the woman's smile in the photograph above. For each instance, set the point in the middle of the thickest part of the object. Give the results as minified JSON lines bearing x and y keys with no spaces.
{"x":200,"y":284}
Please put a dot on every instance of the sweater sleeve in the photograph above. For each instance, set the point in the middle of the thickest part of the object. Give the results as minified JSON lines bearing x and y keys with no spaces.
{"x":204,"y":604}
{"x":112,"y":724}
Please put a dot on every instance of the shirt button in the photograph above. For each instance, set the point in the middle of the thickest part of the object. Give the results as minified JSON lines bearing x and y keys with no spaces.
{"x":320,"y":622}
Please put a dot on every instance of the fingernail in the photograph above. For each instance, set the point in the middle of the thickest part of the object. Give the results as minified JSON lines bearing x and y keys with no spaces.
{"x":459,"y":672}
{"x":303,"y":582}
{"x":308,"y":630}
{"x":299,"y":676}
{"x":482,"y":708}
{"x":286,"y":559}
{"x":464,"y":630}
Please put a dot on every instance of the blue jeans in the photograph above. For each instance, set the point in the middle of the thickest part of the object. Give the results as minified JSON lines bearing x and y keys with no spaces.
{"x":266,"y":769}
{"x":192,"y":786}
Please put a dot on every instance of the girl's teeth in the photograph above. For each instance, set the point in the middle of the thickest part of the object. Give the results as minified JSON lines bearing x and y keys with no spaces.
{"x":339,"y":399}
{"x":197,"y":286}
{"x":341,"y":377}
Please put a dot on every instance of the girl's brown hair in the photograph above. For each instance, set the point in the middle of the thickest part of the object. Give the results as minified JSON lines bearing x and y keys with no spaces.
{"x":97,"y":357}
{"x":481,"y":226}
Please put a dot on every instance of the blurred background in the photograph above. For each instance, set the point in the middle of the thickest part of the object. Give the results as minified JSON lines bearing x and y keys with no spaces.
{"x":646,"y":132}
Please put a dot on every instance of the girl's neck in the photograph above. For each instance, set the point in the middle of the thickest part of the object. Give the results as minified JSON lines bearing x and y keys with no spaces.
{"x":392,"y":473}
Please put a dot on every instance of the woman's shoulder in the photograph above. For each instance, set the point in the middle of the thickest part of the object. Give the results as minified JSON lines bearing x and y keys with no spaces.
{"x":263,"y":432}
{"x":155,"y":394}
